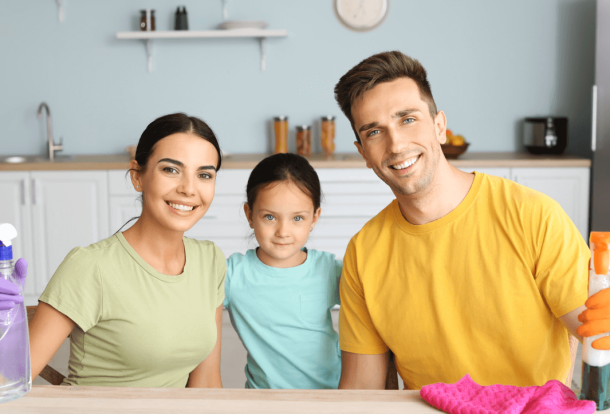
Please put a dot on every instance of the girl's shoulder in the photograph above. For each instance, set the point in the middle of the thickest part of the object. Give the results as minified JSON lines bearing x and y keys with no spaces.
{"x":317,"y":257}
{"x":239,"y":259}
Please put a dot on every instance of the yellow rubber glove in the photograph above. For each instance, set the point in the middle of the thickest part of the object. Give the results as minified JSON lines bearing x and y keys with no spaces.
{"x":596,"y":319}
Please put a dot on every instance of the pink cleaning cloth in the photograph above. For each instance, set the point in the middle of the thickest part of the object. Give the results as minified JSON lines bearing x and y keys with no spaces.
{"x":468,"y":397}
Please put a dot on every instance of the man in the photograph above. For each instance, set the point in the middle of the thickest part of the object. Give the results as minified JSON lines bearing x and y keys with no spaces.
{"x":462,"y":273}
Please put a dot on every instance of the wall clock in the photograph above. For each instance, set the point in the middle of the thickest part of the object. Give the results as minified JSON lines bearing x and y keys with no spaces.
{"x":361,"y":15}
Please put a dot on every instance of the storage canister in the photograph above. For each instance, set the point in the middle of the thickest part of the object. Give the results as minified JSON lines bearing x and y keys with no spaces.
{"x":304,"y":140}
{"x":327,"y":135}
{"x":280,"y":131}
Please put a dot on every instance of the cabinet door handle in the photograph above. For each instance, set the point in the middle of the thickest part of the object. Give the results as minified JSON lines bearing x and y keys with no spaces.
{"x":594,"y":120}
{"x":33,"y":192}
{"x":22,"y":188}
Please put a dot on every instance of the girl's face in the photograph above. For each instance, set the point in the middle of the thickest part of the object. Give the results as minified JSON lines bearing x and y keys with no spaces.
{"x":282,"y":217}
{"x":178,"y":182}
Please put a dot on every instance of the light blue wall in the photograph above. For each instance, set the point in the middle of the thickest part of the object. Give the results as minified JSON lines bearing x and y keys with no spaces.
{"x":490,"y":62}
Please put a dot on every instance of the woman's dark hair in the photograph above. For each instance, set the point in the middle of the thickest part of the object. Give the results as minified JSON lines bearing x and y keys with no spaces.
{"x":172,"y":124}
{"x":165,"y":126}
{"x":284,"y":167}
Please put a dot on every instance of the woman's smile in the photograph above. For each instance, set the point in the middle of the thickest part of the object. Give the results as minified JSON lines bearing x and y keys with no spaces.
{"x":180,"y":207}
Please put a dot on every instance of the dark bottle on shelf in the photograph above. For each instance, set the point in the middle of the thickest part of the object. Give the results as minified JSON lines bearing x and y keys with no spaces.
{"x":181,"y":21}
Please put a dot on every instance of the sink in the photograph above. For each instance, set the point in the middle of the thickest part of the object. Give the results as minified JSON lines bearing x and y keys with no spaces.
{"x":14,"y":160}
{"x":21,"y":159}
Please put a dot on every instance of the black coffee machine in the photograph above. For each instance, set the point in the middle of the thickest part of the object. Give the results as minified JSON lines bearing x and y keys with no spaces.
{"x":547,"y":135}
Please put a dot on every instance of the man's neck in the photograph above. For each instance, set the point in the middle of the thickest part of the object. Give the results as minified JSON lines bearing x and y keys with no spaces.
{"x":448,"y":189}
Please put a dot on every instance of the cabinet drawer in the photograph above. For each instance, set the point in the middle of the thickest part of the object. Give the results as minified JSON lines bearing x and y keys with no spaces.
{"x":358,"y":181}
{"x":119,"y":183}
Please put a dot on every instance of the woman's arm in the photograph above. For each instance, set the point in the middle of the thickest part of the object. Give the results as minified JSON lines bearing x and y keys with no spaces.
{"x":49,"y":328}
{"x":207,"y":373}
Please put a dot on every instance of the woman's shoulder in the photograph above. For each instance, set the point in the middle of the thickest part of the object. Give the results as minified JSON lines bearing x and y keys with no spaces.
{"x":95,"y":250}
{"x":205,"y":247}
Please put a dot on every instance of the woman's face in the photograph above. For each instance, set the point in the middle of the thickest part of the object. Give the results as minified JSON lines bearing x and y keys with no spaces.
{"x":178,"y":182}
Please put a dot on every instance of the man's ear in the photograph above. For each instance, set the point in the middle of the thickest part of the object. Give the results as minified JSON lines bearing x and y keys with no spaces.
{"x":440,"y":127}
{"x":135,"y":175}
{"x":248,"y":213}
{"x":362,"y":153}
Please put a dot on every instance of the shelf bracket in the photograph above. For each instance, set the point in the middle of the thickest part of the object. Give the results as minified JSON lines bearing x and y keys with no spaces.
{"x":149,"y":54}
{"x":263,"y":55}
{"x":60,"y":11}
{"x":225,"y":12}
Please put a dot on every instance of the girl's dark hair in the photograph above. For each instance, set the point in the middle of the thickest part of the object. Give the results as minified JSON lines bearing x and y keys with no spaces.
{"x":172,"y":124}
{"x":284,"y":167}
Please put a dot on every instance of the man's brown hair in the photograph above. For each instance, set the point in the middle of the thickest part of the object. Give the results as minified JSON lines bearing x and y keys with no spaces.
{"x":379,"y":68}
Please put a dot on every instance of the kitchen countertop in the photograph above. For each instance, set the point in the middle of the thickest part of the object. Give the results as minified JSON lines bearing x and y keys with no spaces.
{"x":341,"y":160}
{"x":63,"y":399}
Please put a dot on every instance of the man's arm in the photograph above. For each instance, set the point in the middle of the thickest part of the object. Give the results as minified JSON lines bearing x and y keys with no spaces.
{"x":363,"y":372}
{"x":570,"y":321}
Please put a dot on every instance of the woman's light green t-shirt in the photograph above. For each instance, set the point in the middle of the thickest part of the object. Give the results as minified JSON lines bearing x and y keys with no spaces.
{"x":135,"y":326}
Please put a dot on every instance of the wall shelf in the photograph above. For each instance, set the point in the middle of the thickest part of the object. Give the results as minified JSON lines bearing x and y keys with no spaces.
{"x":259,"y":34}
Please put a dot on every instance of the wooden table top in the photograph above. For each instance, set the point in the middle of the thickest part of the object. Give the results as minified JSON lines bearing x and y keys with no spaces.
{"x":63,"y":399}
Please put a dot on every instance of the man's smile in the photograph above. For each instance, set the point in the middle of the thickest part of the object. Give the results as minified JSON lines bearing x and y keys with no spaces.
{"x":405,"y":164}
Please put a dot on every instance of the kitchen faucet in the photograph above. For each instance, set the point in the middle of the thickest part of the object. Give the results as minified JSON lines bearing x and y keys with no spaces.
{"x":52,"y":146}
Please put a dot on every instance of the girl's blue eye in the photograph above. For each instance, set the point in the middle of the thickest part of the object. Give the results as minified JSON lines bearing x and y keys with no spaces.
{"x":269,"y":217}
{"x":298,"y":218}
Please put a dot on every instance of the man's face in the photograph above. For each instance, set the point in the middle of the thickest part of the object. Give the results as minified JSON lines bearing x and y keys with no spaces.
{"x":399,"y":138}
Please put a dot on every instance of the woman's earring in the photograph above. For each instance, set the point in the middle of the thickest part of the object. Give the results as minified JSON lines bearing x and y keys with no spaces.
{"x":137,"y":186}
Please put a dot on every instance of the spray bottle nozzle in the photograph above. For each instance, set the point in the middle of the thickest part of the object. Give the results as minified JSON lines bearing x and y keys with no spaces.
{"x":7,"y":234}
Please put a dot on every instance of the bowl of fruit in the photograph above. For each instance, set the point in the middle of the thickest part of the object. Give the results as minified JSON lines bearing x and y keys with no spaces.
{"x":455,"y":146}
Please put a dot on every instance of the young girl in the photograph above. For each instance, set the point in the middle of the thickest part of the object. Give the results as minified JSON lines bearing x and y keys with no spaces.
{"x":279,"y":295}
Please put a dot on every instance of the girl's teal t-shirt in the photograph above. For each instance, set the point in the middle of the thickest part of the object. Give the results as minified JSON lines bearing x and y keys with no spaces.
{"x":283,"y":318}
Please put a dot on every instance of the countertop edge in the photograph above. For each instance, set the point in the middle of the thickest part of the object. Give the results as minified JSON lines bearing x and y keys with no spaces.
{"x":346,"y":160}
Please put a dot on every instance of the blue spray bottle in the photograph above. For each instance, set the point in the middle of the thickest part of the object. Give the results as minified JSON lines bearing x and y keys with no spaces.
{"x":15,"y":374}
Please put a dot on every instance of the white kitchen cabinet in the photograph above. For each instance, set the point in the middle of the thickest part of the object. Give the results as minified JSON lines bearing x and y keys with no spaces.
{"x":350,"y":198}
{"x":568,"y":186}
{"x":69,"y":209}
{"x":225,"y":222}
{"x":15,"y":208}
{"x":123,"y":209}
{"x":123,"y":200}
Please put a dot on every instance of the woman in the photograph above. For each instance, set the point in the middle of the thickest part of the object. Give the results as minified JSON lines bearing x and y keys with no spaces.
{"x":144,"y":307}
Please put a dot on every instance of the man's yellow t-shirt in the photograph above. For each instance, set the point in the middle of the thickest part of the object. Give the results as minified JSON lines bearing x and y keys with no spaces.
{"x":478,"y":291}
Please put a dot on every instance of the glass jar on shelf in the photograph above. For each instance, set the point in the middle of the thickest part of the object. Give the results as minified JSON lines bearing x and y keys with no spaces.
{"x":304,"y":140}
{"x":327,"y":135}
{"x":147,"y":20}
{"x":280,"y":132}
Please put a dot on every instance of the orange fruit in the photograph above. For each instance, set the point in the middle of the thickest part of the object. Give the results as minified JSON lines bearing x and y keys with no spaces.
{"x":458,"y":140}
